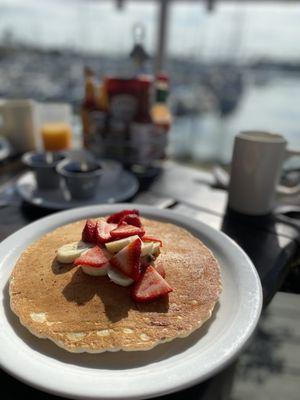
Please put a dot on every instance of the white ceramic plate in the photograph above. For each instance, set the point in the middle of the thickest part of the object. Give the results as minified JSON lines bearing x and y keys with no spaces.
{"x":121,"y":188}
{"x":168,"y":367}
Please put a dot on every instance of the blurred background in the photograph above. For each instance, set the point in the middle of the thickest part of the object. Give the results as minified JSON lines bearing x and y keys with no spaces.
{"x":144,"y":81}
{"x":231,"y":65}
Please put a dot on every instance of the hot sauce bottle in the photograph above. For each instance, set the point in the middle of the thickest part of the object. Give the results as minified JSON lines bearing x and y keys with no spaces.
{"x":160,"y":111}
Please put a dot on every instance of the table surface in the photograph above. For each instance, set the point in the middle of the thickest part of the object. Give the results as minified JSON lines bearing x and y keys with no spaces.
{"x":271,"y":244}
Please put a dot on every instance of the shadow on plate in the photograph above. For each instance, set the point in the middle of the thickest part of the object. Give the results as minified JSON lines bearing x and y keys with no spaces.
{"x":108,"y":360}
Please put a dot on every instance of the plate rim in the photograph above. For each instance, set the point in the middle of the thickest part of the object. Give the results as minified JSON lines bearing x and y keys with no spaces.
{"x":159,"y":214}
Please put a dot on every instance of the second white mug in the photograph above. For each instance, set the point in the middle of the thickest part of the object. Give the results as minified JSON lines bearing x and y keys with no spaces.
{"x":255,"y":171}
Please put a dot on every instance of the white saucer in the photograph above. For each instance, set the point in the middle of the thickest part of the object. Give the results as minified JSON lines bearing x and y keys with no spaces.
{"x":120,"y":188}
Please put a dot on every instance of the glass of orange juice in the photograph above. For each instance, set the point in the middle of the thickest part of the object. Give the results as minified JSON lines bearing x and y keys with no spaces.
{"x":56,"y":136}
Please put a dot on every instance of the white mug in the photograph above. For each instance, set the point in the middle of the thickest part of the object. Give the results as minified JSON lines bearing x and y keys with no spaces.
{"x":255,"y":171}
{"x":18,"y":123}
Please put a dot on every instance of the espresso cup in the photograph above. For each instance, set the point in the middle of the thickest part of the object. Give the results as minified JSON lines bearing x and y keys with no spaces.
{"x":43,"y":165}
{"x":80,"y":178}
{"x":255,"y":171}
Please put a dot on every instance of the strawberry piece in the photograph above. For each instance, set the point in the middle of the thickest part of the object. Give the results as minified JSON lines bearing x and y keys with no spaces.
{"x":145,"y":262}
{"x":116,"y":218}
{"x":160,"y":269}
{"x":151,"y":239}
{"x":124,"y":230}
{"x":151,"y":286}
{"x":102,"y":231}
{"x":94,"y":257}
{"x":127,"y":260}
{"x":88,"y":233}
{"x":132,"y":219}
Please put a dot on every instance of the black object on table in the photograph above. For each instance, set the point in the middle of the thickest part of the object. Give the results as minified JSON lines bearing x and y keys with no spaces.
{"x":270,"y":243}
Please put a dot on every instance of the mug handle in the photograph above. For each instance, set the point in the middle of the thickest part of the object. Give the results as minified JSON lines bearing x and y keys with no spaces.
{"x":287,"y":190}
{"x":2,"y":123}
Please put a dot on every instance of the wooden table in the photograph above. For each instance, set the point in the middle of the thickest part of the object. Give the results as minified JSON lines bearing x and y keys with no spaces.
{"x":271,"y":245}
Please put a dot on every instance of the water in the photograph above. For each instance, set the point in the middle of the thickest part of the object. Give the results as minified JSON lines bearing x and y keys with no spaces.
{"x":273,"y":107}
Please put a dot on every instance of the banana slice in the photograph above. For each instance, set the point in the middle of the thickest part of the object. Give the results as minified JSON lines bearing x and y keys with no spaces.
{"x":118,"y":278}
{"x":69,"y":252}
{"x":117,"y":245}
{"x":93,"y":271}
{"x":147,"y":248}
{"x":156,"y":249}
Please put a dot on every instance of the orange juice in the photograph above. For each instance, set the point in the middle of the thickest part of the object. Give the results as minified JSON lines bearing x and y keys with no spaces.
{"x":56,"y":136}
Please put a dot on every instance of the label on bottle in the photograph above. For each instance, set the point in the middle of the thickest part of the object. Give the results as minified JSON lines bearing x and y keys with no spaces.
{"x":123,"y":107}
{"x":97,"y":122}
{"x":148,"y":143}
{"x":94,"y":123}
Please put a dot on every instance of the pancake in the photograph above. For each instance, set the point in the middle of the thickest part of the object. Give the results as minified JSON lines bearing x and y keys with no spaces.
{"x":81,"y":313}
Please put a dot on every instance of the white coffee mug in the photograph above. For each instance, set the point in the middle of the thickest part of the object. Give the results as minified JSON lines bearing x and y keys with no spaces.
{"x":18,"y":123}
{"x":255,"y":171}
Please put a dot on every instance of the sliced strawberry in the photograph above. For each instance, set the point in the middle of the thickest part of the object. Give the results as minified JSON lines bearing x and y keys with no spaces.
{"x":94,"y":257}
{"x":145,"y":262}
{"x":124,"y":230}
{"x":127,"y":260}
{"x":102,"y":231}
{"x":160,"y":268}
{"x":88,"y":233}
{"x":132,"y":219}
{"x":151,"y":286}
{"x":151,"y":239}
{"x":116,"y":218}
